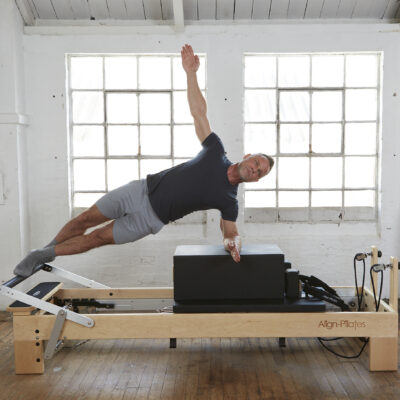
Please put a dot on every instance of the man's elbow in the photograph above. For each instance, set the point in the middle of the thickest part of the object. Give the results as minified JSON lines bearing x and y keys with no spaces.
{"x":199,"y":112}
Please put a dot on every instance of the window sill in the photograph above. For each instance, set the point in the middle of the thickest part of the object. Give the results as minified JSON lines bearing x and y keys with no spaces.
{"x":334,"y":215}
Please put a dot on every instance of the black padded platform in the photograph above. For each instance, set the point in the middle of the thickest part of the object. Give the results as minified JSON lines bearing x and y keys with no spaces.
{"x":208,"y":272}
{"x":287,"y":305}
{"x":39,"y":291}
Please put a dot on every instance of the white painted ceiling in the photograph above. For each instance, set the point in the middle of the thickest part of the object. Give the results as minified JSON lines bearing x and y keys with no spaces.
{"x":181,"y":12}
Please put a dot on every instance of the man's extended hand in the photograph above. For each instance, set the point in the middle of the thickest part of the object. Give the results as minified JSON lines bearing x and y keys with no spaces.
{"x":234,"y":248}
{"x":190,"y":62}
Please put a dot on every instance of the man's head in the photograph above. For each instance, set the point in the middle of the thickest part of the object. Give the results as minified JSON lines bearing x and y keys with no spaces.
{"x":254,"y":166}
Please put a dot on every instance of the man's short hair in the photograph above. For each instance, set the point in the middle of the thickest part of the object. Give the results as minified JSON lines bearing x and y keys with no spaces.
{"x":270,"y":159}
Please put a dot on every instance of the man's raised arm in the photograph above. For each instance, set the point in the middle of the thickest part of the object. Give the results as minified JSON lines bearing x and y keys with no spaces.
{"x":232,"y":241}
{"x":197,"y":102}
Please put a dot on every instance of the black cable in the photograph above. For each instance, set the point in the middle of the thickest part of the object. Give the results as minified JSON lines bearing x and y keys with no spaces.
{"x":359,"y":300}
{"x":377,"y":304}
{"x":359,"y":296}
{"x":342,"y":355}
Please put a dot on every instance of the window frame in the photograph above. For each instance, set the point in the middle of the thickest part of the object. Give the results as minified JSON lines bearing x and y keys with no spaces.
{"x":314,"y":214}
{"x":76,"y":210}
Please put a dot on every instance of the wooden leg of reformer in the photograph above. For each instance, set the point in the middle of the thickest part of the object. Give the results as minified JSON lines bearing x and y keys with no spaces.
{"x":383,"y":354}
{"x":29,"y":357}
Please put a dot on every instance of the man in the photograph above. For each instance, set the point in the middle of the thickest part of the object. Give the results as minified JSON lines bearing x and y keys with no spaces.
{"x":144,"y":206}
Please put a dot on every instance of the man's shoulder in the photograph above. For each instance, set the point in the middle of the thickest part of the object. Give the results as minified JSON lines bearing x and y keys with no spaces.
{"x":210,"y":139}
{"x":213,"y":141}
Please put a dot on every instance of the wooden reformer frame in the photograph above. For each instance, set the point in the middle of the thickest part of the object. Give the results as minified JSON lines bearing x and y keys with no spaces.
{"x":32,"y":326}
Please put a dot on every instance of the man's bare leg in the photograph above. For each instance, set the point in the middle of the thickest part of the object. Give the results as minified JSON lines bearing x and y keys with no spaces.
{"x":73,"y":229}
{"x":78,"y":225}
{"x":83,"y":243}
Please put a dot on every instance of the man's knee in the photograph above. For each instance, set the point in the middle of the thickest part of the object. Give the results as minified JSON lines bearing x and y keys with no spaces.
{"x":102,"y":236}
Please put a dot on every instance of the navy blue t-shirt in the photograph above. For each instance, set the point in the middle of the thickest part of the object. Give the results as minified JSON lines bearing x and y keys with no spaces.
{"x":198,"y":184}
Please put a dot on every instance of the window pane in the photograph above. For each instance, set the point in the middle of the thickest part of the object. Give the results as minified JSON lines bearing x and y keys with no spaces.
{"x":293,"y":199}
{"x":294,"y":71}
{"x":186,"y":142}
{"x":360,"y":139}
{"x":328,"y":71}
{"x":267,"y":182}
{"x":259,"y":199}
{"x":293,"y":172}
{"x":122,"y":140}
{"x":326,"y":172}
{"x":260,"y":138}
{"x":154,"y":72}
{"x":362,"y":70}
{"x":181,"y":108}
{"x":361,"y":105}
{"x":120,"y":172}
{"x":326,"y":138}
{"x":359,"y":172}
{"x":327,"y":106}
{"x":326,"y":199}
{"x":155,"y":140}
{"x":89,"y":175}
{"x":359,"y":198}
{"x":88,"y":141}
{"x":260,"y":71}
{"x":122,"y":108}
{"x":86,"y":199}
{"x":294,"y":106}
{"x":153,"y":166}
{"x":87,"y":107}
{"x":179,"y":74}
{"x":155,"y":108}
{"x":86,"y":72}
{"x":294,"y":138}
{"x":259,"y":105}
{"x":121,"y":72}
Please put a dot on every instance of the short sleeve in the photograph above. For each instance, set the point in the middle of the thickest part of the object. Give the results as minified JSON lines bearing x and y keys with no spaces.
{"x":231,"y":212}
{"x":213,"y":142}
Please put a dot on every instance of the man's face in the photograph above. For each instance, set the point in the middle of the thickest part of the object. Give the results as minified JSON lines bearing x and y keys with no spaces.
{"x":253,"y":167}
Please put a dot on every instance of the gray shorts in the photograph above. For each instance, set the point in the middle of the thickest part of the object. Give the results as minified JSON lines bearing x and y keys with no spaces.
{"x":130,"y":206}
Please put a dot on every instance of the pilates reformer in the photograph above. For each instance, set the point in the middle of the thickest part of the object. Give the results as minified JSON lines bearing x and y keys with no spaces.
{"x":259,"y":297}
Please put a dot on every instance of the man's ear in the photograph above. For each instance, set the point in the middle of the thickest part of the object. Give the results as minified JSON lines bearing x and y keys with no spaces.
{"x":246,"y":156}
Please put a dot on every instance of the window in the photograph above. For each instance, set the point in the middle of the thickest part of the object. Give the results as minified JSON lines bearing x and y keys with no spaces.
{"x":318,"y":116}
{"x":129,"y":117}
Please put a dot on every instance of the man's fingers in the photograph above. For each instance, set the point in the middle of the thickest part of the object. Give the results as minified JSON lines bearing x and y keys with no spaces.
{"x":235,"y":255}
{"x":188,"y":49}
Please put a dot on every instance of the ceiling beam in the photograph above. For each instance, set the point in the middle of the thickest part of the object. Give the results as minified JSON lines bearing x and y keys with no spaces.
{"x":178,"y":15}
{"x":26,"y":12}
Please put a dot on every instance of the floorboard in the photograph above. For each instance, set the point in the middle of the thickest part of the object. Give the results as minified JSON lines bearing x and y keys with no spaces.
{"x":209,"y":369}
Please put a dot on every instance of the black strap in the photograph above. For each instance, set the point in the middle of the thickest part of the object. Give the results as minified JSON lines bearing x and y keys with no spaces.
{"x":314,"y":281}
{"x":321,"y":290}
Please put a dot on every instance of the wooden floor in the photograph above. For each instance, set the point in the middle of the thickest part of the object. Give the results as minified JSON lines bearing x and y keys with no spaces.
{"x":197,"y":369}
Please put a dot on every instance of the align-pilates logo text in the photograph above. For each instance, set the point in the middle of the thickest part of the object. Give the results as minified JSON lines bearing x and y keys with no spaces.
{"x":344,"y":323}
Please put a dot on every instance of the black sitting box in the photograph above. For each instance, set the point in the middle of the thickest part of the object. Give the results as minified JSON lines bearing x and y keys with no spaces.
{"x":209,"y":273}
{"x":206,"y":279}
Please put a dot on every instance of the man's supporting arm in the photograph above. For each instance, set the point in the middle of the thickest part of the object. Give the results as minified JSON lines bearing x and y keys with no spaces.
{"x":232,"y":241}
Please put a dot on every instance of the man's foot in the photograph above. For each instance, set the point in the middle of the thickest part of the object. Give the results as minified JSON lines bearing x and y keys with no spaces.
{"x":33,"y":259}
